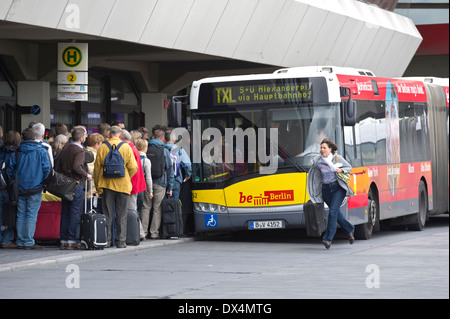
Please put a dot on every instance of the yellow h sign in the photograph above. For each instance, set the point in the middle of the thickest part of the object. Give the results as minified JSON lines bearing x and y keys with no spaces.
{"x":72,"y":56}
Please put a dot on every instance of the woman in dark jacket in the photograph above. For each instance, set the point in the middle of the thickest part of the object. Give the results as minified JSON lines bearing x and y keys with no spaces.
{"x":11,"y":141}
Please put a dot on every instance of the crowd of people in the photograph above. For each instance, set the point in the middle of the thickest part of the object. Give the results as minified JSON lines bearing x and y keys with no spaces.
{"x":30,"y":158}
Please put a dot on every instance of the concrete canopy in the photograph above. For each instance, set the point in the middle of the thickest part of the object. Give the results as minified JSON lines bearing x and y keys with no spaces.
{"x":225,"y":35}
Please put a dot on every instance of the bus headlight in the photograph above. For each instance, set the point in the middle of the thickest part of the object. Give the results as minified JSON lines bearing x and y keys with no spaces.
{"x":209,"y":208}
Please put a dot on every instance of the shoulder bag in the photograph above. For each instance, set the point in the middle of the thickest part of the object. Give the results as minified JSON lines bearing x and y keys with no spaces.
{"x":62,"y":186}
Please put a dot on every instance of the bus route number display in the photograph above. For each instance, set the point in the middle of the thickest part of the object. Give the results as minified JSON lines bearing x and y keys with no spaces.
{"x":262,"y":94}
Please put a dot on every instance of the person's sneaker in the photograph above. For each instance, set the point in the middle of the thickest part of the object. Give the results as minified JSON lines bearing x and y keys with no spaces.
{"x":326,"y":243}
{"x":351,"y":238}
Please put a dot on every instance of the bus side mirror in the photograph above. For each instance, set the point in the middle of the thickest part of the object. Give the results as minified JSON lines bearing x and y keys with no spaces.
{"x":348,"y":108}
{"x":349,"y":112}
{"x":176,"y":110}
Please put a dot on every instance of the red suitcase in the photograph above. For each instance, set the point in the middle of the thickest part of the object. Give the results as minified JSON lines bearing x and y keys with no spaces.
{"x":48,"y":221}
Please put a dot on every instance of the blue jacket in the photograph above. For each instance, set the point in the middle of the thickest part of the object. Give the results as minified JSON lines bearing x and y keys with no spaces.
{"x":183,"y":162}
{"x":32,"y":168}
{"x":167,"y":179}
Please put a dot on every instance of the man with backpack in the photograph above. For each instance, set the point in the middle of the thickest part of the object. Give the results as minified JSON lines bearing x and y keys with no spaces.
{"x":114,"y":166}
{"x":162,"y":176}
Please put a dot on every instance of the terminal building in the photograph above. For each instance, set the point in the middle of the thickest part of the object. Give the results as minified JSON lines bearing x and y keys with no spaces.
{"x":138,"y":54}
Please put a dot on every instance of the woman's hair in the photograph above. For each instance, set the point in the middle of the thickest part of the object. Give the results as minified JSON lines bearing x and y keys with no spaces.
{"x":12,"y":138}
{"x":59,"y":142}
{"x":95,"y":138}
{"x":330,"y":144}
{"x":135,"y":135}
{"x":141,"y":145}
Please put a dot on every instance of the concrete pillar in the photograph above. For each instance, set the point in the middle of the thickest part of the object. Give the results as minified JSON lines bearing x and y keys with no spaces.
{"x":153,"y":107}
{"x":31,"y":93}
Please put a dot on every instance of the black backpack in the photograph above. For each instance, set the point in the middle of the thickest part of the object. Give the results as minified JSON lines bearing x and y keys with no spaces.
{"x":155,"y":153}
{"x":114,"y":165}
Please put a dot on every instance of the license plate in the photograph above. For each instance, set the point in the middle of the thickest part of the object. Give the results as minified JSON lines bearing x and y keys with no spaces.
{"x":270,"y":224}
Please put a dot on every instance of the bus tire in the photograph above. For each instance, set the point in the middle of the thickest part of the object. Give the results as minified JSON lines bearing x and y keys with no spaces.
{"x":365,"y":231}
{"x":419,"y":219}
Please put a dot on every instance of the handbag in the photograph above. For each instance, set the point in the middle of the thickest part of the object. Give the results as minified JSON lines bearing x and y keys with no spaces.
{"x":63,"y":186}
{"x":342,"y":176}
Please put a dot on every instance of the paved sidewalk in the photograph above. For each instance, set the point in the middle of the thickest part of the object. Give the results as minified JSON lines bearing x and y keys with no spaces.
{"x":16,"y":259}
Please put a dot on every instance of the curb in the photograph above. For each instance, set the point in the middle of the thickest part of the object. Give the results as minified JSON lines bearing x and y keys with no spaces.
{"x":87,"y":254}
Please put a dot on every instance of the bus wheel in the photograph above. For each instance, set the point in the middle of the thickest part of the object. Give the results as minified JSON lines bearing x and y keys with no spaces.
{"x":419,"y":219}
{"x":365,"y":231}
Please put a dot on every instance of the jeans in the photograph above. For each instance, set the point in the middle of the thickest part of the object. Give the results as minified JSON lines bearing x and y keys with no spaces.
{"x":333,"y":195}
{"x":176,"y":189}
{"x":27,"y":211}
{"x":6,"y":236}
{"x":70,"y":217}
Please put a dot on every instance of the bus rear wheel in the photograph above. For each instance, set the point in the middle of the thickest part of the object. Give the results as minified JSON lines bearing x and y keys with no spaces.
{"x":419,"y":219}
{"x":364,"y":231}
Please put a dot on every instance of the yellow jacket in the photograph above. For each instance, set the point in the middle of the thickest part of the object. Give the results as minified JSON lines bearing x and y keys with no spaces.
{"x":119,"y":184}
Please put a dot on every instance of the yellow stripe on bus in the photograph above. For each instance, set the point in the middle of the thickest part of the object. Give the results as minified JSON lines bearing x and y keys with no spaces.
{"x":269,"y":190}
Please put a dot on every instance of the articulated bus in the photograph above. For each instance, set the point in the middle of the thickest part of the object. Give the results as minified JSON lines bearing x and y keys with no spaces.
{"x":256,"y":136}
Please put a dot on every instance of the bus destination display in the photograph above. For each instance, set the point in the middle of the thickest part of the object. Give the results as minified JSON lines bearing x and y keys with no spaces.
{"x":262,"y":93}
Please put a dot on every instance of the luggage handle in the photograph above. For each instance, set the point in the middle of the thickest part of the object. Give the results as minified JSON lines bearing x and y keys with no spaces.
{"x":85,"y":198}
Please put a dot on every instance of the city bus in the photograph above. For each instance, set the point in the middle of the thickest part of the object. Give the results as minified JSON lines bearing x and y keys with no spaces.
{"x":254,"y":138}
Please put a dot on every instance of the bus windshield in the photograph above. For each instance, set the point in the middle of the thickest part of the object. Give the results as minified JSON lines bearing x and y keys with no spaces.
{"x":299,"y":130}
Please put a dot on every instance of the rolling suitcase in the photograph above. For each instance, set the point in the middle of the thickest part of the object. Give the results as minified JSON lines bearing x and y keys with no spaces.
{"x":93,"y":233}
{"x":133,"y":228}
{"x":172,"y":218}
{"x":316,"y":220}
{"x":48,"y":221}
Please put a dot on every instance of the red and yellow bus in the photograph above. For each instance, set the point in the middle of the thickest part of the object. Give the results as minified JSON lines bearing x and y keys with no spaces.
{"x":254,"y":137}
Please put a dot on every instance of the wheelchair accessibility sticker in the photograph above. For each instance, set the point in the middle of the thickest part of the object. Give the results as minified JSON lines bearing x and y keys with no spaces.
{"x":211,"y":220}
